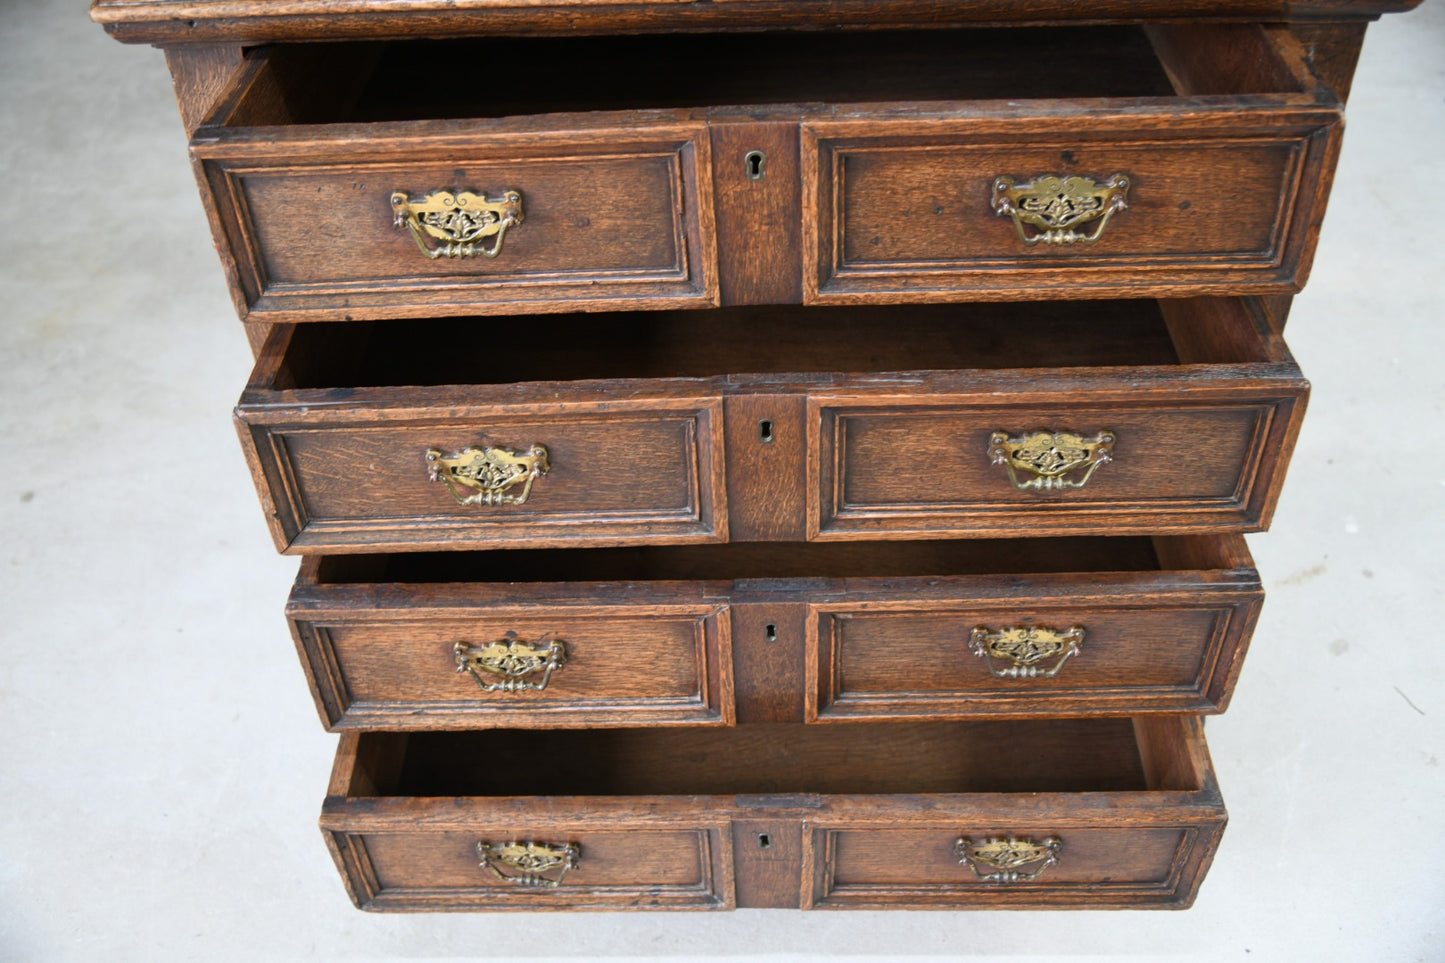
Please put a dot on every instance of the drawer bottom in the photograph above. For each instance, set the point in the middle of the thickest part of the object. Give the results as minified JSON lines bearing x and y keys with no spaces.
{"x":1089,"y":813}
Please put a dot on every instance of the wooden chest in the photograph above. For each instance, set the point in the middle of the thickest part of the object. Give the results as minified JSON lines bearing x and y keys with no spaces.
{"x":767,"y":454}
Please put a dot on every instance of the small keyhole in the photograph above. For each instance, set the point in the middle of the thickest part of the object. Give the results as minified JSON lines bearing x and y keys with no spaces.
{"x":756,"y":163}
{"x":765,"y":431}
{"x":764,"y":841}
{"x":771,"y":633}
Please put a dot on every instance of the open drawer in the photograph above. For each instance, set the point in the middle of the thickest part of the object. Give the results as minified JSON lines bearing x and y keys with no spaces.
{"x":773,"y":424}
{"x":1088,"y":813}
{"x":353,"y":181}
{"x":709,"y":635}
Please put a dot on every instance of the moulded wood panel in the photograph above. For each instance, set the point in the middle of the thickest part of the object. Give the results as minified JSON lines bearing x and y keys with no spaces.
{"x":620,"y":218}
{"x":883,"y":658}
{"x":635,"y":867}
{"x":923,"y":467}
{"x":1135,"y":806}
{"x":886,"y":865}
{"x":937,"y":203}
{"x":359,"y":480}
{"x":1220,"y":199}
{"x":644,"y":664}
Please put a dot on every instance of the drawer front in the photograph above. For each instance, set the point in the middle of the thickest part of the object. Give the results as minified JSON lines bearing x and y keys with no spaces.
{"x":357,"y":476}
{"x":1109,"y":203}
{"x":986,"y":466}
{"x":1050,"y":654}
{"x":376,"y":664}
{"x":607,"y":218}
{"x":623,"y":868}
{"x":1096,"y":812}
{"x":1083,"y":865}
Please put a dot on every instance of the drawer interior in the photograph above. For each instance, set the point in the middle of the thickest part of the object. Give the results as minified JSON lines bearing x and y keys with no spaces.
{"x":414,"y":80}
{"x":744,"y":560}
{"x":1075,"y":755}
{"x":772,"y":339}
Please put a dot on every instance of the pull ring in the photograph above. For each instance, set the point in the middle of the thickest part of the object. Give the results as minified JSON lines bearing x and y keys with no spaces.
{"x":513,"y":660}
{"x":1003,"y":859}
{"x":1024,"y":647}
{"x":1046,"y":458}
{"x":489,"y":473}
{"x":1053,"y":206}
{"x":527,"y":862}
{"x":447,"y":224}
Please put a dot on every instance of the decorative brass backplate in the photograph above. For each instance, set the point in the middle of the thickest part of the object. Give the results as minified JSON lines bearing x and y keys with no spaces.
{"x":1006,"y":856}
{"x":452,"y":224}
{"x":1025,"y":646}
{"x":1054,"y":205}
{"x":490,"y":472}
{"x":527,"y":862}
{"x":1048,"y":456}
{"x":513,"y":660}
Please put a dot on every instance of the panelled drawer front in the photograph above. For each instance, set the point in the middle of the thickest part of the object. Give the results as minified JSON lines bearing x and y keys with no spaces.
{"x":1095,"y":864}
{"x":1095,"y":813}
{"x":925,"y":467}
{"x":613,"y":217}
{"x":909,"y":209}
{"x":354,"y":476}
{"x":634,"y":867}
{"x":399,"y":658}
{"x":1104,"y":645}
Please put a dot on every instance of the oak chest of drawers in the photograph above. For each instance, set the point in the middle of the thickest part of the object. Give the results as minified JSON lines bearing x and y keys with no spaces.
{"x":766,"y":453}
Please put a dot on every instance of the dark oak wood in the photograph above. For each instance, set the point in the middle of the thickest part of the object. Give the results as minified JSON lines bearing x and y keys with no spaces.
{"x":828,"y":633}
{"x":873,"y":835}
{"x":638,"y":458}
{"x":762,"y":705}
{"x":1226,"y":192}
{"x":626,"y":205}
{"x":251,"y":21}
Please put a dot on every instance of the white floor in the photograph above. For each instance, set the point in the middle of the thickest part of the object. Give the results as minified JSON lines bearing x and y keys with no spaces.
{"x":161,"y":766}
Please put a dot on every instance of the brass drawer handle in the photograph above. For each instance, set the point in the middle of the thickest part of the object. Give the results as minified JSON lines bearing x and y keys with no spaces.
{"x":1053,"y":206}
{"x":528,"y":861}
{"x":1046,"y":457}
{"x":1025,"y":646}
{"x":1005,"y":857}
{"x":489,"y":472}
{"x":513,"y":660}
{"x":455,"y":223}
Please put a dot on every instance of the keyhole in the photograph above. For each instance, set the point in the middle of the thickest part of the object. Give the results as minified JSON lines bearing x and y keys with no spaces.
{"x":771,"y":633}
{"x":756,"y":163}
{"x":764,"y":841}
{"x":765,"y":431}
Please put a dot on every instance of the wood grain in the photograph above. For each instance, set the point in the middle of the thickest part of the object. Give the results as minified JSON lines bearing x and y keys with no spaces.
{"x":879,"y":835}
{"x":252,"y":21}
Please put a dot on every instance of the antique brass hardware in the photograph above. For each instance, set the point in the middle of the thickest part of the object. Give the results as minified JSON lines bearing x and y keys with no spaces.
{"x":489,"y":472}
{"x":1005,"y":857}
{"x":456,"y":222}
{"x":1048,"y":456}
{"x":755,"y":163}
{"x":1055,"y":205}
{"x":529,"y":861}
{"x":1025,"y":646}
{"x":513,"y":660}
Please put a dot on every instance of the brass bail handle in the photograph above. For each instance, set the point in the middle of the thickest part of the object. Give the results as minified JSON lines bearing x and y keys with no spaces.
{"x":1002,"y":859}
{"x":488,"y":475}
{"x":1017,"y":652}
{"x":454,"y":223}
{"x":528,"y":864}
{"x":510,"y":664}
{"x":1040,"y":461}
{"x":1054,"y":205}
